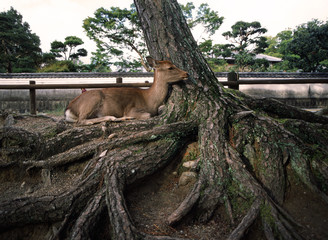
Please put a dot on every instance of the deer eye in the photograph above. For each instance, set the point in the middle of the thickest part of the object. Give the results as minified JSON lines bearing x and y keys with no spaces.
{"x":170,"y":68}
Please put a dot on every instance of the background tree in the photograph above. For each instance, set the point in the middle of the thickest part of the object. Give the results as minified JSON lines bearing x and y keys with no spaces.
{"x":309,"y":47}
{"x":210,"y":21}
{"x":19,"y":47}
{"x":216,"y":54}
{"x":246,"y":42}
{"x":246,"y":36}
{"x":118,"y":33}
{"x":59,"y":66}
{"x":72,"y":42}
{"x":251,"y":153}
{"x":278,"y":48}
{"x":100,"y":62}
{"x":205,"y":17}
{"x":115,"y":30}
{"x":68,"y":53}
{"x":67,"y":50}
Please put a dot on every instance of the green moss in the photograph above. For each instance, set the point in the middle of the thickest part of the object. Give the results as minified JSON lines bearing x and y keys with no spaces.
{"x":316,"y":154}
{"x":281,"y":120}
{"x":266,"y":214}
{"x":240,"y":199}
{"x":52,"y":133}
{"x":138,"y":151}
{"x":58,"y":111}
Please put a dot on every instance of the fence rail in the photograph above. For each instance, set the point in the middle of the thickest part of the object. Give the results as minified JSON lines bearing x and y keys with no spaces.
{"x":150,"y":74}
{"x":233,"y":80}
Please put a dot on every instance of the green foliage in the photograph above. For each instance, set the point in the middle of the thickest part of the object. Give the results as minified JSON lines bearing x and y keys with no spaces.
{"x":278,"y":48}
{"x":245,"y":35}
{"x":100,"y":62}
{"x":187,"y":13}
{"x":67,"y":50}
{"x":119,"y":37}
{"x":19,"y":47}
{"x":260,"y":65}
{"x":308,"y":50}
{"x":58,"y":48}
{"x":113,"y":31}
{"x":72,"y":42}
{"x":48,"y":58}
{"x":60,"y":66}
{"x":208,"y":18}
{"x":305,"y":48}
{"x":215,"y":54}
{"x":243,"y":60}
{"x":246,"y":42}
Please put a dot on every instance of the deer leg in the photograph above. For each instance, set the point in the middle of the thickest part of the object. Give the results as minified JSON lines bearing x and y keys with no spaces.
{"x":97,"y":120}
{"x":104,"y":119}
{"x":134,"y":113}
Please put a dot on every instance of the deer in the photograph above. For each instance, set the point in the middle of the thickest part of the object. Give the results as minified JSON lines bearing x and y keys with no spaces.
{"x":121,"y":104}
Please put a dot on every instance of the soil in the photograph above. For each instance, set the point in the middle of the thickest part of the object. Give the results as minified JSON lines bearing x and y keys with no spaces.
{"x":307,"y":208}
{"x":151,"y":200}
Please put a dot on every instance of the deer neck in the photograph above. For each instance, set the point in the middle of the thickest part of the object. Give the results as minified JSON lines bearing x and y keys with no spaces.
{"x":157,"y":92}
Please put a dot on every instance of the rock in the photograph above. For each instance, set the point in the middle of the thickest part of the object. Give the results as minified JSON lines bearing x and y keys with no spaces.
{"x":187,"y":177}
{"x":192,"y":152}
{"x":249,"y":152}
{"x":29,"y":190}
{"x":190,"y":164}
{"x":103,"y":154}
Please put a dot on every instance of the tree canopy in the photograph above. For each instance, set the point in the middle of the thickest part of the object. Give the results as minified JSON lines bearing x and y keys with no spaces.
{"x":309,"y":47}
{"x":67,"y":50}
{"x":209,"y":19}
{"x":120,"y":43}
{"x":19,"y":48}
{"x":118,"y":33}
{"x":246,"y":36}
{"x":247,"y":41}
{"x":113,"y":31}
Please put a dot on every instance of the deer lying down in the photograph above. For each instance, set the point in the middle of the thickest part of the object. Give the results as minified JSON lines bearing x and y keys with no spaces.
{"x":119,"y":104}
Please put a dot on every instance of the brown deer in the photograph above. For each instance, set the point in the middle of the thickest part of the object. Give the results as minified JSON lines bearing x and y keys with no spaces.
{"x":119,"y":104}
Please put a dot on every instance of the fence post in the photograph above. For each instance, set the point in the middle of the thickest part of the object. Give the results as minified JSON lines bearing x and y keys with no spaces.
{"x":119,"y":80}
{"x":32,"y":99}
{"x":233,"y":77}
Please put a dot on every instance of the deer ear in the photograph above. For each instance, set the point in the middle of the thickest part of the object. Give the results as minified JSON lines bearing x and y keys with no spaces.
{"x":152,"y":62}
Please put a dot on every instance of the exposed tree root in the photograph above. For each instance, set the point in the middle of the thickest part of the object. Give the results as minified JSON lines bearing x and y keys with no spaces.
{"x":120,"y":220}
{"x":86,"y":150}
{"x":239,"y":231}
{"x":228,"y":158}
{"x":282,"y":110}
{"x":282,"y":220}
{"x":187,"y":204}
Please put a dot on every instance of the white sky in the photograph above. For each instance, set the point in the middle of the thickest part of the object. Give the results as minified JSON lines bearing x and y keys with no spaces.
{"x":56,"y":19}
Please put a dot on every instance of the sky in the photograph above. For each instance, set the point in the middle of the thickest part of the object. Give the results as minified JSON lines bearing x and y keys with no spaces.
{"x":56,"y":19}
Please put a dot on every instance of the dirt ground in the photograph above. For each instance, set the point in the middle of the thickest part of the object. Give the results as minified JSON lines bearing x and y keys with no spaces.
{"x":151,"y":200}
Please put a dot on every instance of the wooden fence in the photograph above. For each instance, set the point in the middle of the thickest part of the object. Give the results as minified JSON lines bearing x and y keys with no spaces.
{"x":233,"y":80}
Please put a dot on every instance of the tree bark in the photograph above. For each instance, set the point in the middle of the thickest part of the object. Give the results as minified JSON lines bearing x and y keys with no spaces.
{"x":249,"y":149}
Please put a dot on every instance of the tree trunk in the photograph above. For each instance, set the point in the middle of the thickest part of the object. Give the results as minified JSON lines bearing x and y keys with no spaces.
{"x":251,"y":153}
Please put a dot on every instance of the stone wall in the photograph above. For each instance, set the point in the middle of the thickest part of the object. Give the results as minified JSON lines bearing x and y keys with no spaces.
{"x":305,"y":96}
{"x":46,"y":100}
